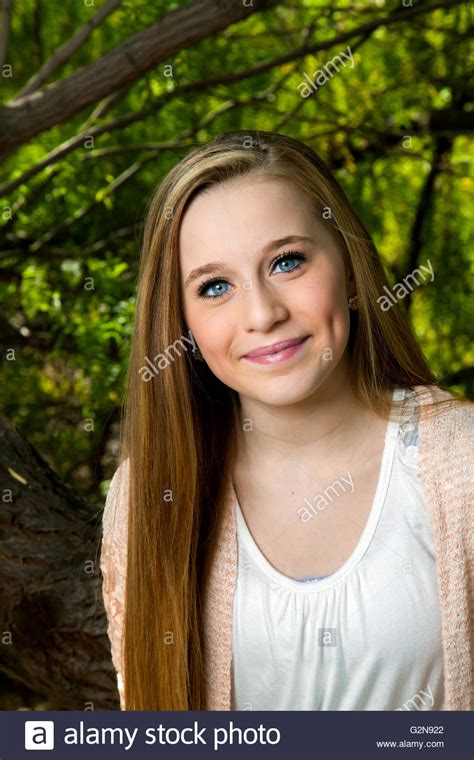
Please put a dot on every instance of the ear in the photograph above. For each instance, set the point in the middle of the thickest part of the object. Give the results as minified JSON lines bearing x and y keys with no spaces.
{"x":350,"y":282}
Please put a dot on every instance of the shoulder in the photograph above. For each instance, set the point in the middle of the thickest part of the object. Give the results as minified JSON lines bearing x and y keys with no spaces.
{"x":446,"y":438}
{"x":113,"y":563}
{"x":443,"y":414}
{"x":116,"y":503}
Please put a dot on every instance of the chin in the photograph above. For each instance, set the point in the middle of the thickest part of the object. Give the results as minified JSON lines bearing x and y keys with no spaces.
{"x":285,"y":393}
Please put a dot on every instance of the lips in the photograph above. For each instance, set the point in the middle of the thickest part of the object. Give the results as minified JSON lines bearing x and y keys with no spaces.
{"x":275,"y":347}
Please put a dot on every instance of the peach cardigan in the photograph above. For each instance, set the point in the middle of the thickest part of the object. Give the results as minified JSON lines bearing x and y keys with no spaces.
{"x":445,"y":456}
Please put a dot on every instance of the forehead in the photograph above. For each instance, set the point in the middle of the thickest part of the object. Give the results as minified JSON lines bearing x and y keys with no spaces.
{"x":244,"y":213}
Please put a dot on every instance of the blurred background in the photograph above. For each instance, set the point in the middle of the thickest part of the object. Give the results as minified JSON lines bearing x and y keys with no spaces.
{"x":99,"y":101}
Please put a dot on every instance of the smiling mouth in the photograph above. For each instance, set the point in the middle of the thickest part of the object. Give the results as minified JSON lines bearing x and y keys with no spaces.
{"x":277,"y":353}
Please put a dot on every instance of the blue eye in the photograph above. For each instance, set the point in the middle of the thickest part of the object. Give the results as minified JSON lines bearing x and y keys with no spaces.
{"x":288,"y":257}
{"x":212,"y":283}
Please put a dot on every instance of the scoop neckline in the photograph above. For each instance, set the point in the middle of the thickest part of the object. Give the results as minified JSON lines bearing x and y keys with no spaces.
{"x":315,"y":587}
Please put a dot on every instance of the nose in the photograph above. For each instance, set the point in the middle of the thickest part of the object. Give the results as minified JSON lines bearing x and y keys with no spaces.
{"x":261,"y":307}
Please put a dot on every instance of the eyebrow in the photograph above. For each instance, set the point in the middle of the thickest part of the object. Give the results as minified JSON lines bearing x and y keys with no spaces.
{"x":217,"y":266}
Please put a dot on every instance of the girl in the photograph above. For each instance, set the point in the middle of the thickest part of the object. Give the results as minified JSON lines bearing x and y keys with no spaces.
{"x":290,"y":526}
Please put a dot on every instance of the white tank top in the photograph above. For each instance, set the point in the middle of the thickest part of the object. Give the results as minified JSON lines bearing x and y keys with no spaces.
{"x":367,"y":637}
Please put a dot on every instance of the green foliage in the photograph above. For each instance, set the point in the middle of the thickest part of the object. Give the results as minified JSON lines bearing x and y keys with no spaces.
{"x":70,"y":254}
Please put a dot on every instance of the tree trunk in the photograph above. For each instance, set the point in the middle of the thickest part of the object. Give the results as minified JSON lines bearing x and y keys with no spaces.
{"x":53,"y":625}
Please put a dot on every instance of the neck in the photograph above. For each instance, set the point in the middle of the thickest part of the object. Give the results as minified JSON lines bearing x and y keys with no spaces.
{"x":325,"y":422}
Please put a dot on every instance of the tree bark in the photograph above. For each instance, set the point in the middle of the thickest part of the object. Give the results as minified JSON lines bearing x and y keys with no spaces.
{"x":53,"y":624}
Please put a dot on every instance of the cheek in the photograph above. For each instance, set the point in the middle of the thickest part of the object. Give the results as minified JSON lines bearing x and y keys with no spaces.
{"x":211,"y":335}
{"x":323,"y":300}
{"x":215,"y":340}
{"x":211,"y":332}
{"x":322,"y":307}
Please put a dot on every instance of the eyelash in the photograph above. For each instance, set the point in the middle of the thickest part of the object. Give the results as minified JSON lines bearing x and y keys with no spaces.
{"x":287,"y":255}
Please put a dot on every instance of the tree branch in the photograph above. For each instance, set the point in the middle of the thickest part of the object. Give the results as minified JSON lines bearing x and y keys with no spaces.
{"x":5,"y":35}
{"x":22,"y":119}
{"x":441,"y":148}
{"x":66,"y":147}
{"x":66,"y":51}
{"x":131,"y":118}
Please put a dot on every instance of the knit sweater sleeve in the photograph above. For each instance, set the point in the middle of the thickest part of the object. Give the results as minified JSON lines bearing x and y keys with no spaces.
{"x":447,"y":443}
{"x":113,"y":564}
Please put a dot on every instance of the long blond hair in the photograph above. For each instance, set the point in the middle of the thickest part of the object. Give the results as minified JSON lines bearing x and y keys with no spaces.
{"x":180,"y":427}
